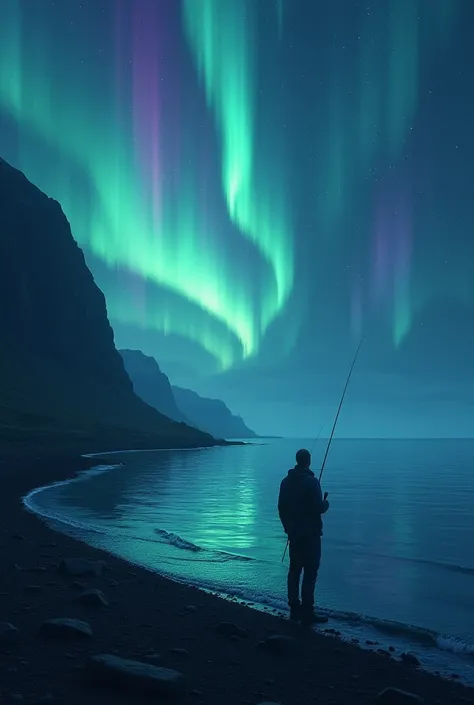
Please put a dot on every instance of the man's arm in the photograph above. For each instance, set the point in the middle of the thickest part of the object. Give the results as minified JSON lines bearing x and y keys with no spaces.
{"x":282,"y":507}
{"x":321,"y":504}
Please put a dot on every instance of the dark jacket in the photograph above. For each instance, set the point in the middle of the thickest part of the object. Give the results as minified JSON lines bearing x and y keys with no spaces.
{"x":301,"y":504}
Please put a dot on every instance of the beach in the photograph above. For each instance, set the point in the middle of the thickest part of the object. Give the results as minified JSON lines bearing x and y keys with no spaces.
{"x":165,"y":624}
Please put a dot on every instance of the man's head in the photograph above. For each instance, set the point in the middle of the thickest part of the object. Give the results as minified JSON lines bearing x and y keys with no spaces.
{"x":303,"y":458}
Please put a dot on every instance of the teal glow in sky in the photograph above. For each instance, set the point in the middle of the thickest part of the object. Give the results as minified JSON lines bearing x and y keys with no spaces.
{"x":251,"y":181}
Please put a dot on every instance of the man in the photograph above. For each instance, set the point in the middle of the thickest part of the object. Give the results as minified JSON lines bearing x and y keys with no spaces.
{"x":300,"y":506}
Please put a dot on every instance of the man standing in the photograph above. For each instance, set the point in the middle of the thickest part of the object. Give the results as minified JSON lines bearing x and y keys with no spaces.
{"x":300,"y":506}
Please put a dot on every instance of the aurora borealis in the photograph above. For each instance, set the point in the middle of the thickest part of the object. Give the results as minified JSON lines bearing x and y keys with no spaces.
{"x":255,"y":183}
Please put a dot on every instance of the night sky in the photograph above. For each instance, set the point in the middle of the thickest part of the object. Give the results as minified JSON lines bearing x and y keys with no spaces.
{"x":256,"y":184}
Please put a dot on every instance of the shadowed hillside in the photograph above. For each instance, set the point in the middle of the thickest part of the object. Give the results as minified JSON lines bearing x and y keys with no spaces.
{"x":60,"y":373}
{"x":151,"y":384}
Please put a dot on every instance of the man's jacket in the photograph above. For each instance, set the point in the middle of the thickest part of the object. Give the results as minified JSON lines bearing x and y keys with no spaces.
{"x":301,"y":504}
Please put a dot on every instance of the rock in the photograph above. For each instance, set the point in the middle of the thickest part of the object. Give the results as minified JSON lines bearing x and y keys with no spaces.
{"x":9,"y":635}
{"x":229,"y":629}
{"x":394,"y":696}
{"x":33,"y":588}
{"x":92,"y":598}
{"x":15,"y":697}
{"x":18,"y":537}
{"x":190,"y":608}
{"x":278,"y":644}
{"x":180,"y":652}
{"x":65,"y":628}
{"x":81,"y":566}
{"x":410,"y":658}
{"x":116,"y":672}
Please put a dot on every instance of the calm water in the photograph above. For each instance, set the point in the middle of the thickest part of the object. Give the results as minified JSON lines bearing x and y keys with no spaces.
{"x":398,"y":538}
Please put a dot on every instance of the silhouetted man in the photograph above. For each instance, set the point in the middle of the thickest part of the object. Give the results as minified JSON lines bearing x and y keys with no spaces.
{"x":300,"y":506}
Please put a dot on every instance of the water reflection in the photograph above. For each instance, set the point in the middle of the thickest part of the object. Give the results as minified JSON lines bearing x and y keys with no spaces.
{"x":392,"y":503}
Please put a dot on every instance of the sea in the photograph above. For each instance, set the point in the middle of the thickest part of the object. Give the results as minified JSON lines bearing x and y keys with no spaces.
{"x":397,"y":567}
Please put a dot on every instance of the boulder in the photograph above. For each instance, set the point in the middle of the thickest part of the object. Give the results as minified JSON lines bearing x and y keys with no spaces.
{"x":65,"y":628}
{"x":81,"y":566}
{"x":115,"y":672}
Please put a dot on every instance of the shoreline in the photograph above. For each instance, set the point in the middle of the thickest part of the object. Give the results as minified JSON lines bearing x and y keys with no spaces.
{"x":367,"y":632}
{"x":150,"y":613}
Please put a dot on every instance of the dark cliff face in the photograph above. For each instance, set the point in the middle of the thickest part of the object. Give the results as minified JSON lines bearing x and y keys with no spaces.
{"x":211,"y":415}
{"x":151,"y":384}
{"x":57,"y":352}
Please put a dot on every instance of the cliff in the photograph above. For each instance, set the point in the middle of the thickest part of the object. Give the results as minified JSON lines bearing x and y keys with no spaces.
{"x":60,"y":373}
{"x":211,"y":415}
{"x":151,"y":384}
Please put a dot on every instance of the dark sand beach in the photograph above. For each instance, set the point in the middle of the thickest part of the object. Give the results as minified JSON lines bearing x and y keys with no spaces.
{"x":151,"y":619}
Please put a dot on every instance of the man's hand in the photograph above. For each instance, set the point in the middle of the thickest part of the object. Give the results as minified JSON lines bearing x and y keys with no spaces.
{"x":325,"y":503}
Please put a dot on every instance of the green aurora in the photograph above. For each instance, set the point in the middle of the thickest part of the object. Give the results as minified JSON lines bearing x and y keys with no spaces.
{"x":165,"y":130}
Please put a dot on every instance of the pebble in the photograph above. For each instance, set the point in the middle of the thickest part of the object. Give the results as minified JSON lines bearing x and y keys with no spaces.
{"x":278,"y":644}
{"x":92,"y":598}
{"x":180,"y":652}
{"x":410,"y":658}
{"x":394,"y":696}
{"x":229,"y":629}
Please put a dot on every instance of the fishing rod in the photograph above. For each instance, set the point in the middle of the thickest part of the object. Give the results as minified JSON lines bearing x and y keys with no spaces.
{"x":317,"y":438}
{"x":333,"y":428}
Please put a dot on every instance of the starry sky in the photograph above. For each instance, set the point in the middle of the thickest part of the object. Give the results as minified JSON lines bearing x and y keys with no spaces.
{"x":257,"y":184}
